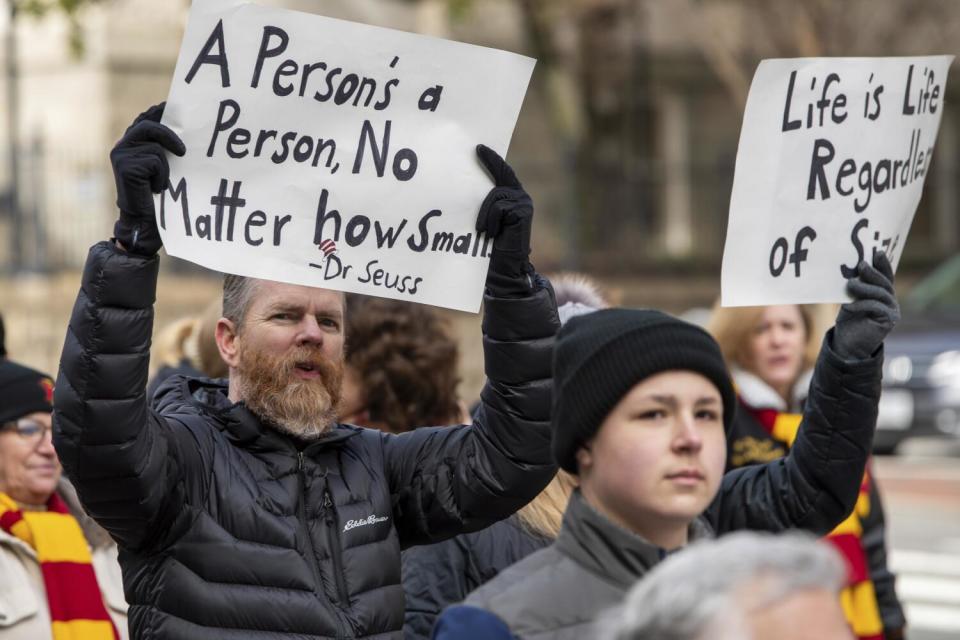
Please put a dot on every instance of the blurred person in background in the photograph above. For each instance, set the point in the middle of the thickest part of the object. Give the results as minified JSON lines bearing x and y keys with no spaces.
{"x":400,"y":368}
{"x":188,"y":347}
{"x":643,"y":403}
{"x":243,"y":508}
{"x":771,"y":351}
{"x":578,"y":294}
{"x":59,"y":576}
{"x":744,"y":586}
{"x":436,"y":576}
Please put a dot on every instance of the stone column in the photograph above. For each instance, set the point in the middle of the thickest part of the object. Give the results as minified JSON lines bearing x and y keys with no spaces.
{"x":674,"y":147}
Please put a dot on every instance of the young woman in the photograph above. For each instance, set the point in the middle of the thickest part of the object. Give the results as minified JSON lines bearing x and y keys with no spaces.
{"x":770,"y":353}
{"x":642,"y":406}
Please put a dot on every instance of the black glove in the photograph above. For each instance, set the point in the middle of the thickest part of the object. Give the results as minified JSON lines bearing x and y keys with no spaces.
{"x":863,"y":324}
{"x":140,"y":169}
{"x":506,"y":215}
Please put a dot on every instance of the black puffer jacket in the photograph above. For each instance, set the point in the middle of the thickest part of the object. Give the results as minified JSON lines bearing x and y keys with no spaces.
{"x":164,"y":373}
{"x":438,"y":575}
{"x":227,"y":530}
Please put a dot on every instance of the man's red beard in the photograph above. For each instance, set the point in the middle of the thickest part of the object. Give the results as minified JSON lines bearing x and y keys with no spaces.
{"x":305,"y":408}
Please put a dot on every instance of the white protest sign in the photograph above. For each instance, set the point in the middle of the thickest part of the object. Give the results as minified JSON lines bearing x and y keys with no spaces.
{"x":832,"y":159}
{"x":333,"y":154}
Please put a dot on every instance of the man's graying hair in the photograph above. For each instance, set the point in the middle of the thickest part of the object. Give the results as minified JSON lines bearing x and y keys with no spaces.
{"x":237,"y":295}
{"x":698,"y":593}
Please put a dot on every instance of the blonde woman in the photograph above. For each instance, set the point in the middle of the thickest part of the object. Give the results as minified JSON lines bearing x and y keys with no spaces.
{"x":771,"y":351}
{"x":187,"y":347}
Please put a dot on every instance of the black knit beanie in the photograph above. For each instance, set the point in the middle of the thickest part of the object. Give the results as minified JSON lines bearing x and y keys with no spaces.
{"x":600,"y":356}
{"x":23,"y":391}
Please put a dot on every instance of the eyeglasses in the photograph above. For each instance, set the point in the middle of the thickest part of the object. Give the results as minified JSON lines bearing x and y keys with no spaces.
{"x":27,"y":429}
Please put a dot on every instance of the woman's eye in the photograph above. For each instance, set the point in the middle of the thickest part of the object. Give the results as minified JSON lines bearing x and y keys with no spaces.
{"x":708,"y":415}
{"x":652,"y":414}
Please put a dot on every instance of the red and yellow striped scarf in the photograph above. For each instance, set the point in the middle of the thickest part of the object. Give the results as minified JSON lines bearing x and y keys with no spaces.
{"x":76,"y":605}
{"x":859,"y":599}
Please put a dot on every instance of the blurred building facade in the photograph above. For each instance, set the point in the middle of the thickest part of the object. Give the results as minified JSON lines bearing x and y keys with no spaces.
{"x":70,"y":109}
{"x":627,"y":139}
{"x":659,"y":88}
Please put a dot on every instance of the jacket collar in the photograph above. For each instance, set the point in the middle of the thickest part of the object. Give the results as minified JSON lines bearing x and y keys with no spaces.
{"x":11,"y":540}
{"x":607,"y":550}
{"x":241,"y":426}
{"x":756,"y":393}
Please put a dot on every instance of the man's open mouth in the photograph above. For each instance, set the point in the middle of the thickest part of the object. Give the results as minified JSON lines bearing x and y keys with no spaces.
{"x":307,"y":369}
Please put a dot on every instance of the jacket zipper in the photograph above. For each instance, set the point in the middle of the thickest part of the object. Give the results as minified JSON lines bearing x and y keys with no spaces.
{"x":335,"y":548}
{"x":312,"y":560}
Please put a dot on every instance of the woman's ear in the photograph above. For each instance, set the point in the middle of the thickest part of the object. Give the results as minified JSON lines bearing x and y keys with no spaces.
{"x":226,"y":336}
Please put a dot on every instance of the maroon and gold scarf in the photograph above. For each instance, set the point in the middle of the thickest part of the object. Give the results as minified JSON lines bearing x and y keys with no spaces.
{"x":76,"y":605}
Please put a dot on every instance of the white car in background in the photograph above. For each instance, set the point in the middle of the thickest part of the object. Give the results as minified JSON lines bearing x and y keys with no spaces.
{"x":921,"y":373}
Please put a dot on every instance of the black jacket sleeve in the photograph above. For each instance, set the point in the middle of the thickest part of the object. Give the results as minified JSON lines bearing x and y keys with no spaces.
{"x":448,"y":480}
{"x":120,"y":457}
{"x":875,"y":547}
{"x":816,"y":485}
{"x":436,"y":576}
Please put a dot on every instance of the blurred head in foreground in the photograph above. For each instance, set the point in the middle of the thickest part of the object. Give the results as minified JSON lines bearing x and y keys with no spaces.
{"x":744,"y":586}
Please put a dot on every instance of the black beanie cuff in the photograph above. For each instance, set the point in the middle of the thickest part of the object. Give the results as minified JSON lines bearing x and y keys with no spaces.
{"x":23,"y":391}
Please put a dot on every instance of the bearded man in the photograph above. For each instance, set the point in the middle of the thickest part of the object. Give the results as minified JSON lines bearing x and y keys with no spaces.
{"x":242,"y":509}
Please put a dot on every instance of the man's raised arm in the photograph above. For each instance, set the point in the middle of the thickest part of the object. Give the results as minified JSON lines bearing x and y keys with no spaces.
{"x":448,"y":480}
{"x":115,"y":451}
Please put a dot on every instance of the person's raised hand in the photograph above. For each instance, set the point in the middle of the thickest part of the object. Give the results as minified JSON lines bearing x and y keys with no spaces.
{"x":863,"y":323}
{"x":506,"y":216}
{"x":140,"y":169}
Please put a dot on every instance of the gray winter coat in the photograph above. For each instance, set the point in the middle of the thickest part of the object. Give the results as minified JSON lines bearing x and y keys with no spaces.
{"x":557,"y":593}
{"x":229,"y":529}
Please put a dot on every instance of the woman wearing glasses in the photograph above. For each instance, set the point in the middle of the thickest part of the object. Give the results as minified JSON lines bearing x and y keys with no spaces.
{"x":59,"y":576}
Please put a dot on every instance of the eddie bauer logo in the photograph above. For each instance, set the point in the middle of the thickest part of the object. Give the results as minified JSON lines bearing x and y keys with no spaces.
{"x":353,"y":524}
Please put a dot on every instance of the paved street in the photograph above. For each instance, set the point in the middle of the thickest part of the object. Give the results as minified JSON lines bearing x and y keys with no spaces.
{"x":922,"y":498}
